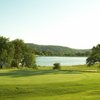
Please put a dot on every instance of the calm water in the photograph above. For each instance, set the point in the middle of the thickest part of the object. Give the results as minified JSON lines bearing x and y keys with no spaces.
{"x":49,"y":61}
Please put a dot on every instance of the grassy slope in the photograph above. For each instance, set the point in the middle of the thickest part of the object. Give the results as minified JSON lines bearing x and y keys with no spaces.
{"x":49,"y":85}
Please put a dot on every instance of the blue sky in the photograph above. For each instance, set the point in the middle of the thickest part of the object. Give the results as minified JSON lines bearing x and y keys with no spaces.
{"x":72,"y":23}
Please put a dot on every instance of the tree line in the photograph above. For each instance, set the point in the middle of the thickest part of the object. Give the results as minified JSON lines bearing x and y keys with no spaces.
{"x":15,"y":53}
{"x":49,"y":50}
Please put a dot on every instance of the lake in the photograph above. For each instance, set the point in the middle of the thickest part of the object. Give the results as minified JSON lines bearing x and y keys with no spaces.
{"x":49,"y":61}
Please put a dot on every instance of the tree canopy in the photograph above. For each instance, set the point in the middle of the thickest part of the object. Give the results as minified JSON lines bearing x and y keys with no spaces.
{"x":15,"y":53}
{"x":94,"y":56}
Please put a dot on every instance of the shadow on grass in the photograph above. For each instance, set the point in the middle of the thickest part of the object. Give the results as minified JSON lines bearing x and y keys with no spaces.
{"x":24,"y":73}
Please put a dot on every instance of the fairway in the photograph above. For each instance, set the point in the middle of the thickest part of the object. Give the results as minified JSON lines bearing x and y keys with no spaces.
{"x":49,"y":85}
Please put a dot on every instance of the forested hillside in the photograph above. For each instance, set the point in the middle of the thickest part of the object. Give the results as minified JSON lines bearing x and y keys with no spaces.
{"x":50,"y":50}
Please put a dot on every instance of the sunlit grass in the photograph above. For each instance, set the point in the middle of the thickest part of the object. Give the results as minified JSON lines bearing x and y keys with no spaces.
{"x":69,"y":83}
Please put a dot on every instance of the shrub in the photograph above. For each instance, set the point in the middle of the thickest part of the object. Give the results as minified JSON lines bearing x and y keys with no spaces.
{"x":35,"y":66}
{"x":56,"y":66}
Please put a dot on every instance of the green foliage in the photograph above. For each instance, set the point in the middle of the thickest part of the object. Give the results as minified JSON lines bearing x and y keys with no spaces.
{"x":6,"y":52}
{"x":57,"y":50}
{"x":19,"y":50}
{"x":15,"y":53}
{"x":56,"y":66}
{"x":23,"y":54}
{"x":28,"y":59}
{"x":94,"y":56}
{"x":14,"y":63}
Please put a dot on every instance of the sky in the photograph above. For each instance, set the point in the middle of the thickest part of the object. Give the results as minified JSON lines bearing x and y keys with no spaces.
{"x":71,"y":23}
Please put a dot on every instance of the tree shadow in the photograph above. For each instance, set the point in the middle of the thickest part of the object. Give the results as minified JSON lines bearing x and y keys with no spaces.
{"x":25,"y":73}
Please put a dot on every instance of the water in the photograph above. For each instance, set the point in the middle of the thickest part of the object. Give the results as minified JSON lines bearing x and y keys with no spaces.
{"x":49,"y":61}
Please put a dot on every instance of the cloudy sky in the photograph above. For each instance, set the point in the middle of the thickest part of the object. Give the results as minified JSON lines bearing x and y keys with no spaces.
{"x":71,"y":23}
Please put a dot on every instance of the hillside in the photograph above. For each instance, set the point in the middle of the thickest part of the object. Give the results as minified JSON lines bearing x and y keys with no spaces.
{"x":50,"y":50}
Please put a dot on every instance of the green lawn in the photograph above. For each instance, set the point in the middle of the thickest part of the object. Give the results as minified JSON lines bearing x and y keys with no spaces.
{"x":49,"y":84}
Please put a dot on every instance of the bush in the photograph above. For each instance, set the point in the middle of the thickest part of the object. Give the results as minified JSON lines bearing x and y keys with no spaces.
{"x":35,"y":66}
{"x":56,"y":66}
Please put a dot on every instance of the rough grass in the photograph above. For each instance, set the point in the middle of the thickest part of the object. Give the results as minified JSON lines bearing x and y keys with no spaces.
{"x":71,"y":83}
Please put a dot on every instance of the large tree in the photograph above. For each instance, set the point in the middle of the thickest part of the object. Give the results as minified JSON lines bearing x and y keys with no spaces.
{"x":94,"y":56}
{"x":15,"y":53}
{"x":28,"y":58}
{"x":6,"y":52}
{"x":23,"y":55}
{"x":18,"y":54}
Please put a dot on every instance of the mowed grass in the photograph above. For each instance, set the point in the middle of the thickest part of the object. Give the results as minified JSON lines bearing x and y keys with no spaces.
{"x":66,"y":84}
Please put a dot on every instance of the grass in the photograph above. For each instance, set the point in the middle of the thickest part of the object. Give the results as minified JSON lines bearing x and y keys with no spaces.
{"x":76,"y":82}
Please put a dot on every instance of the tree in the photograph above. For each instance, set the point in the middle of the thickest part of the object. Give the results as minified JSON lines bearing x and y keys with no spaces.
{"x":28,"y":58}
{"x":15,"y":53}
{"x":94,"y":56}
{"x":23,"y":55}
{"x":10,"y":53}
{"x":19,"y":46}
{"x":6,"y":52}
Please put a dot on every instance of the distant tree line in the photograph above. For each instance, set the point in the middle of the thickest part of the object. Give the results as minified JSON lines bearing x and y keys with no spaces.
{"x":15,"y":53}
{"x":57,"y":50}
{"x":51,"y":53}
